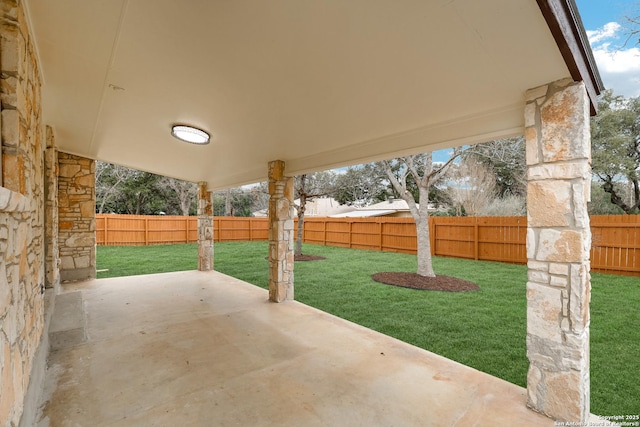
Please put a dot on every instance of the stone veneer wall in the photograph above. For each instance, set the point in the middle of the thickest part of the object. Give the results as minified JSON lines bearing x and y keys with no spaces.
{"x":76,"y":217}
{"x":21,"y":213}
{"x":281,"y":233}
{"x":558,"y":242}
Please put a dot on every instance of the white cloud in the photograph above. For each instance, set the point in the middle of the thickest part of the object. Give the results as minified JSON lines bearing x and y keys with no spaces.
{"x":619,"y":66}
{"x":607,"y":31}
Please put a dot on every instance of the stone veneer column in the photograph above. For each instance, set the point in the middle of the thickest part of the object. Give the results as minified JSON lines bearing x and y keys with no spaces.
{"x":205,"y":228}
{"x":280,"y":233}
{"x":558,"y":245}
{"x":52,"y":254}
{"x":76,"y":217}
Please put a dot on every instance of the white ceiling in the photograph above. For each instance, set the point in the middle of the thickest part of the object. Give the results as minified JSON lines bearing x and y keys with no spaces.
{"x":316,"y":83}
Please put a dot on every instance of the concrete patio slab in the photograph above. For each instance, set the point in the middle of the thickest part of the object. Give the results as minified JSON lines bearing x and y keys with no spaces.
{"x":204,"y":349}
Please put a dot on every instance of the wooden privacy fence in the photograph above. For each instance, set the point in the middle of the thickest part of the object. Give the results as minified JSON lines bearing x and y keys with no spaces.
{"x":615,"y":238}
{"x":139,"y":230}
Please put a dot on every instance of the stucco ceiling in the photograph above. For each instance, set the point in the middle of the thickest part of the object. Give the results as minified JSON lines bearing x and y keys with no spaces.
{"x":318,"y":84}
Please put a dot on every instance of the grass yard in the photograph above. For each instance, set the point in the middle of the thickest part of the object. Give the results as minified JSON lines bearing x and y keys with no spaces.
{"x":484,"y":329}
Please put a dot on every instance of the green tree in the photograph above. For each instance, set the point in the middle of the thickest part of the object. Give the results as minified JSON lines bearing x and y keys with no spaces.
{"x":615,"y":143}
{"x":359,"y":185}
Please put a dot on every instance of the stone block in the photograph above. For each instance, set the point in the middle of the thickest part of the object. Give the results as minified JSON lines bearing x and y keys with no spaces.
{"x":13,"y":172}
{"x":68,"y":170}
{"x":532,"y":243}
{"x":544,"y":310}
{"x":560,"y":246}
{"x":535,"y":93}
{"x":559,"y":269}
{"x":538,"y":276}
{"x":569,"y":170}
{"x":565,"y":396}
{"x":66,"y":262}
{"x":276,"y":170}
{"x":565,"y":125}
{"x":532,"y":146}
{"x":536,"y":265}
{"x":559,"y":282}
{"x":549,"y":203}
{"x":87,"y":180}
{"x":80,"y":240}
{"x":530,"y":111}
{"x":87,"y":209}
{"x":10,"y":126}
{"x":82,"y":261}
{"x":580,"y":196}
{"x":579,"y":298}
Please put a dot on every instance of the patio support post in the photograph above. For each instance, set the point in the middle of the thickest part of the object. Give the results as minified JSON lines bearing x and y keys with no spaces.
{"x":558,"y":244}
{"x":51,"y":250}
{"x":281,"y":232}
{"x":205,"y":228}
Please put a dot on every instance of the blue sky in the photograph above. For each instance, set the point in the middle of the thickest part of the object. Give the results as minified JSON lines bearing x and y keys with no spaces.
{"x":607,"y":28}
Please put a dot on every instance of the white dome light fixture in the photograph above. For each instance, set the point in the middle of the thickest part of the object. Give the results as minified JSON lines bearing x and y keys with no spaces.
{"x":190,"y":134}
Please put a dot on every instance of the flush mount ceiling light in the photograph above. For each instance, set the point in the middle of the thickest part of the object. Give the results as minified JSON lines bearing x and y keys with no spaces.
{"x":190,"y":134}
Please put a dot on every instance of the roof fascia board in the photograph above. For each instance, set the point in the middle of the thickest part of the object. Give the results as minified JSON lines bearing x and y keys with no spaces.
{"x":566,"y":26}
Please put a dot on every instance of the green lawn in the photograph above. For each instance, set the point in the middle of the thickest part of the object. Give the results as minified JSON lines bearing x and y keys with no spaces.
{"x":485,"y":329}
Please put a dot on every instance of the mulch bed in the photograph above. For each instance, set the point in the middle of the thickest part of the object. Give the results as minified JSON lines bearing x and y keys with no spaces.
{"x":416,"y":281}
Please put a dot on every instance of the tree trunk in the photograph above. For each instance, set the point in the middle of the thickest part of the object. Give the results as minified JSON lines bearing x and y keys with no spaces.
{"x":425,"y":266}
{"x":301,"y":209}
{"x":227,"y":203}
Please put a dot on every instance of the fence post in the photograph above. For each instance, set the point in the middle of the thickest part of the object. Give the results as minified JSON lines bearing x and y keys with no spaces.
{"x":106,"y":230}
{"x":146,"y":231}
{"x":324,"y":233}
{"x":476,"y":238}
{"x":380,"y":236}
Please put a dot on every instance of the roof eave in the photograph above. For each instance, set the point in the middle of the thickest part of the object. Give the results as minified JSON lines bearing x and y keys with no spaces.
{"x":566,"y":26}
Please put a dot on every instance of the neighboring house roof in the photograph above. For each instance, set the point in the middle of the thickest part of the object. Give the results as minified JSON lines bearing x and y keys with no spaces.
{"x":391,"y":204}
{"x":365,"y":213}
{"x":319,"y":207}
{"x":325,"y":206}
{"x":386,"y":208}
{"x":270,"y":82}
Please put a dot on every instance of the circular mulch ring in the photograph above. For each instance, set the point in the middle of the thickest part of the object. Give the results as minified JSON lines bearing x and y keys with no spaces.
{"x":416,"y":281}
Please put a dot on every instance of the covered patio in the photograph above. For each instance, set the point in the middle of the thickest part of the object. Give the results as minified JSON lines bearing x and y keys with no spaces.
{"x":282,"y":87}
{"x":202,"y":348}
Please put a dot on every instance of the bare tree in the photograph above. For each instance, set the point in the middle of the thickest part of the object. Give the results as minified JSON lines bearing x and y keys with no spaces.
{"x":421,"y":169}
{"x":260,"y":196}
{"x":109,"y":178}
{"x":308,"y":187}
{"x":185,"y":192}
{"x":472,"y":187}
{"x":228,"y":209}
{"x":506,"y":157}
{"x":633,"y":29}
